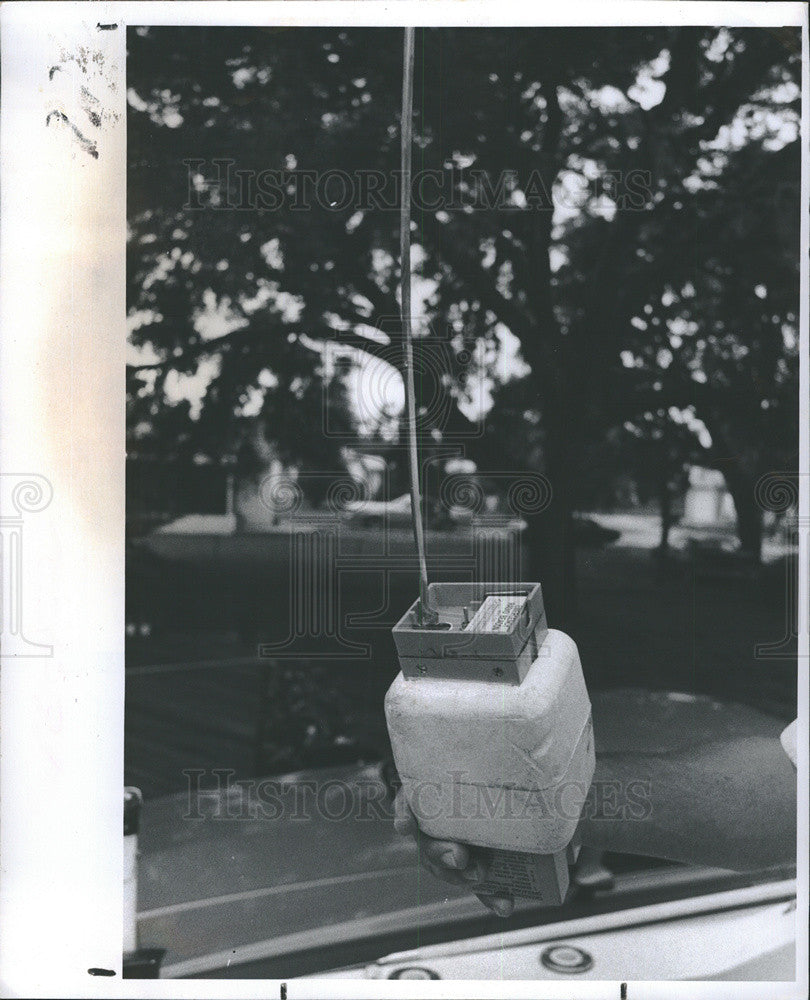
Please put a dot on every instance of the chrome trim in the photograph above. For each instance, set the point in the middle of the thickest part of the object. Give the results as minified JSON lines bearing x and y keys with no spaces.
{"x":467,"y":907}
{"x":651,"y":914}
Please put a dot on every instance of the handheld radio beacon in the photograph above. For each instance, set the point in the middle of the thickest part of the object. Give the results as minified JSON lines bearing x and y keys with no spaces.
{"x":489,"y":717}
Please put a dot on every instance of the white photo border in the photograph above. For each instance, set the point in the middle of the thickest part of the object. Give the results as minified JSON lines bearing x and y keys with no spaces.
{"x":62,"y":365}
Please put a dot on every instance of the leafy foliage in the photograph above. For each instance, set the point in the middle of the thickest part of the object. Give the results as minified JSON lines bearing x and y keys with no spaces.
{"x":662,"y":306}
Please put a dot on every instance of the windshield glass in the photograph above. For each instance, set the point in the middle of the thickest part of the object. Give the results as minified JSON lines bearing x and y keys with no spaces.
{"x":606,"y":372}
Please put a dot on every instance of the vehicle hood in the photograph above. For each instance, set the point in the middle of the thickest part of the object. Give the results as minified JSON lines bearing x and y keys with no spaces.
{"x":309,"y":860}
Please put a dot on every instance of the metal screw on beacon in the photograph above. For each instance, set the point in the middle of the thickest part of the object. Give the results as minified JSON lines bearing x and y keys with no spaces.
{"x":489,"y":717}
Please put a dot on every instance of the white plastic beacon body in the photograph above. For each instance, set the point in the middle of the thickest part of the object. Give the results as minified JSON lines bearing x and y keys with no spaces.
{"x":497,"y":765}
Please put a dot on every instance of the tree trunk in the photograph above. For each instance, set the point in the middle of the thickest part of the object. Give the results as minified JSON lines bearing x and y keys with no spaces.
{"x":550,"y":535}
{"x":550,"y":544}
{"x":665,"y":506}
{"x":742,"y":486}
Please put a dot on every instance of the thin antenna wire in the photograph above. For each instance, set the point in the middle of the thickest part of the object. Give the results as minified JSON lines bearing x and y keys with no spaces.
{"x":426,"y":614}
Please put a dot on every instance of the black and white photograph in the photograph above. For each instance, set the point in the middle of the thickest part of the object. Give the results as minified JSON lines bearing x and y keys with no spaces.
{"x":430,"y":498}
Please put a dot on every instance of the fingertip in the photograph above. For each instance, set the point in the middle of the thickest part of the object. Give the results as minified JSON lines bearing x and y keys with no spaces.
{"x":443,"y":853}
{"x":443,"y":874}
{"x":501,"y":906}
{"x":403,"y":826}
{"x":455,"y":856}
{"x":404,"y":820}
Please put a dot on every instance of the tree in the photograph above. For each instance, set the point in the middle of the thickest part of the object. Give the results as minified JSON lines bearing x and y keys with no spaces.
{"x":708,"y":275}
{"x":508,"y":121}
